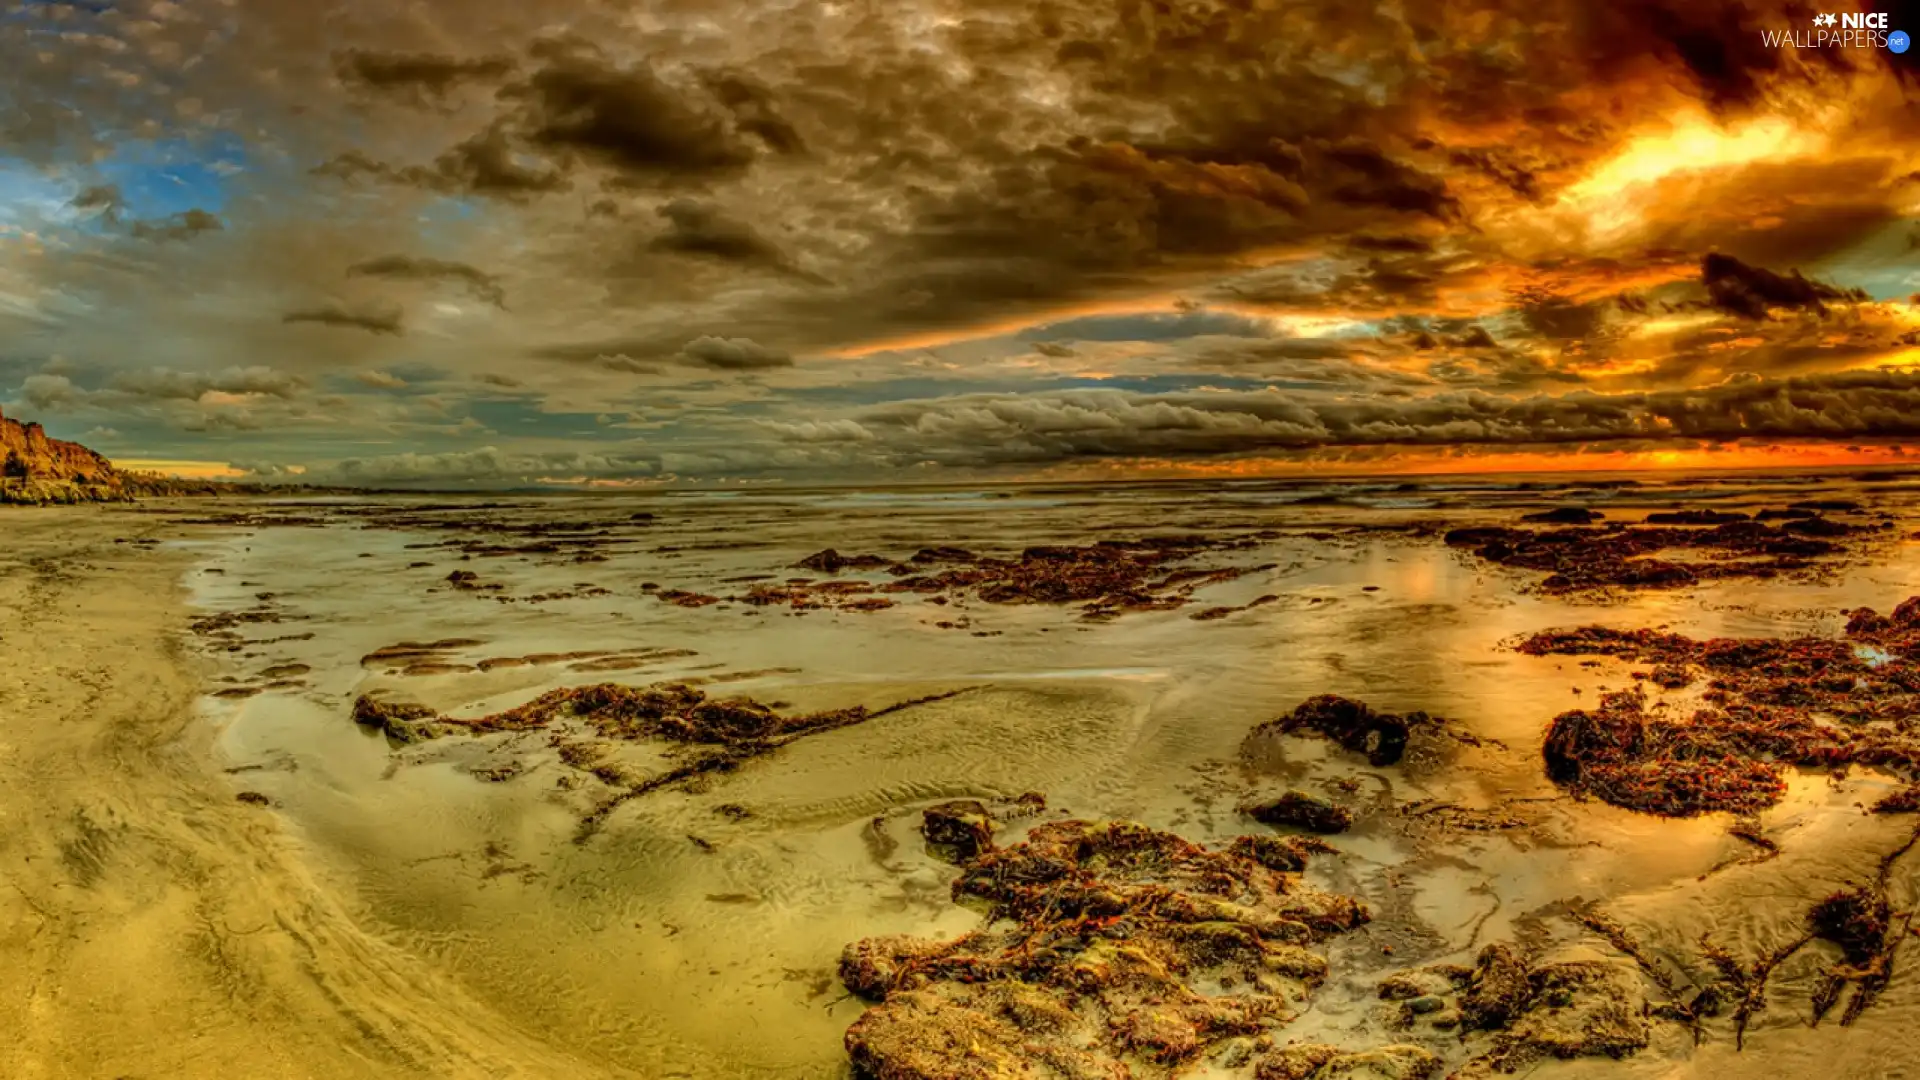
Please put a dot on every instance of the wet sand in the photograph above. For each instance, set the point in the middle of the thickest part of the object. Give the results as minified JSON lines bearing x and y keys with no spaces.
{"x":437,"y":909}
{"x":150,"y":924}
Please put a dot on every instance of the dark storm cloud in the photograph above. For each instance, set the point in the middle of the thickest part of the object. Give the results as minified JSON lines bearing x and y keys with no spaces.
{"x":1502,"y":166}
{"x":702,"y":229}
{"x":1750,"y":291}
{"x":481,"y":284}
{"x":733,"y":354}
{"x":755,"y":109}
{"x":184,"y":225}
{"x":104,"y":198}
{"x":487,"y":465}
{"x":625,"y":117}
{"x":1055,"y":427}
{"x":1554,"y":317}
{"x":1150,"y":326}
{"x":668,"y":187}
{"x":1353,"y":365}
{"x":576,"y":109}
{"x":190,"y":385}
{"x":486,"y":164}
{"x":422,"y":75}
{"x":374,"y":320}
{"x":651,"y":355}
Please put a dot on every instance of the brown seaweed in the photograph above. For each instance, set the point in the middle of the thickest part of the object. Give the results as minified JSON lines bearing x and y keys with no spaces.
{"x":1111,"y":950}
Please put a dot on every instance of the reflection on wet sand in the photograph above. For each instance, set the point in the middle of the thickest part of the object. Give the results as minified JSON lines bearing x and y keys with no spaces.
{"x":641,"y":830}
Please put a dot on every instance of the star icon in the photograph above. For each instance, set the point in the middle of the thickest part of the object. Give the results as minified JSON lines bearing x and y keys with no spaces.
{"x":1831,"y":18}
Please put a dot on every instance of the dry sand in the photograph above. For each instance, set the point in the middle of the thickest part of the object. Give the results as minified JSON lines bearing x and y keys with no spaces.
{"x":150,"y":924}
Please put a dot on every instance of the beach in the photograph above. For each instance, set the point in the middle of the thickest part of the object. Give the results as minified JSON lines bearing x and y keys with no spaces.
{"x":153,"y":925}
{"x":212,"y":869}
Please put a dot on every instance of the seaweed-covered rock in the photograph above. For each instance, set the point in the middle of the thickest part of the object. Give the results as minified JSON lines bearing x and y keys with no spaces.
{"x":1297,"y":1062}
{"x":1675,"y":769}
{"x":1770,"y":704}
{"x":920,"y":1035}
{"x":1719,"y":545}
{"x":1300,"y":810}
{"x":1317,"y":1061}
{"x":1285,"y":853}
{"x":1353,"y":724}
{"x":1565,"y":515}
{"x":1856,"y":920}
{"x":832,"y":562}
{"x":959,"y":830}
{"x":1112,"y":950}
{"x":1384,"y":1063}
{"x":1583,"y":1008}
{"x":1695,"y":517}
{"x":1821,"y":527}
{"x":1497,"y":991}
{"x":874,"y":967}
{"x":1513,"y":1013}
{"x":400,"y":721}
{"x":1106,"y":578}
{"x":1904,"y":801}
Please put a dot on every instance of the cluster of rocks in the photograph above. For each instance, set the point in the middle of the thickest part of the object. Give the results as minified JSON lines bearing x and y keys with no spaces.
{"x":1769,"y":704}
{"x":1583,"y":554}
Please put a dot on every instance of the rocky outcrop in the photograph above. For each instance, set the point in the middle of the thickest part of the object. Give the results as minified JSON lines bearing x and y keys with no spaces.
{"x":38,"y":469}
{"x":27,"y":453}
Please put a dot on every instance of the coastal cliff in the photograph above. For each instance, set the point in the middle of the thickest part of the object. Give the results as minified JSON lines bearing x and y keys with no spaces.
{"x":37,"y":469}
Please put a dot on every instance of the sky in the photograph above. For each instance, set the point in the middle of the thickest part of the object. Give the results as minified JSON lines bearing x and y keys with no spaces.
{"x":596,"y":243}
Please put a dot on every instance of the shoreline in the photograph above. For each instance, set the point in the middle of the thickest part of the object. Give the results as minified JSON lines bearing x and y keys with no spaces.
{"x":213,"y":869}
{"x":154,"y":924}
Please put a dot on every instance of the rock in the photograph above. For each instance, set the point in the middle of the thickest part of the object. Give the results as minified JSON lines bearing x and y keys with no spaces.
{"x":1841,"y":506}
{"x":1583,"y":1008}
{"x":1234,"y":1053}
{"x":961,"y":830}
{"x":832,"y":562}
{"x":1420,"y":1006}
{"x":1297,"y":1062}
{"x":401,"y":721}
{"x":919,"y":1036}
{"x":1313,"y":1061}
{"x":1695,"y":517}
{"x":1288,"y":854}
{"x":1407,"y":985}
{"x":1857,"y":921}
{"x":1819,"y":526}
{"x":1671,"y":676}
{"x":1353,"y":724}
{"x":1301,"y":810}
{"x":874,"y":967}
{"x":1111,"y":951}
{"x":1904,"y":801}
{"x":35,"y":469}
{"x":27,"y":453}
{"x":1908,"y":612}
{"x":1498,"y":990}
{"x":253,"y":798}
{"x":1565,"y":515}
{"x":943,"y":554}
{"x":1475,"y":537}
{"x":1386,"y":1063}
